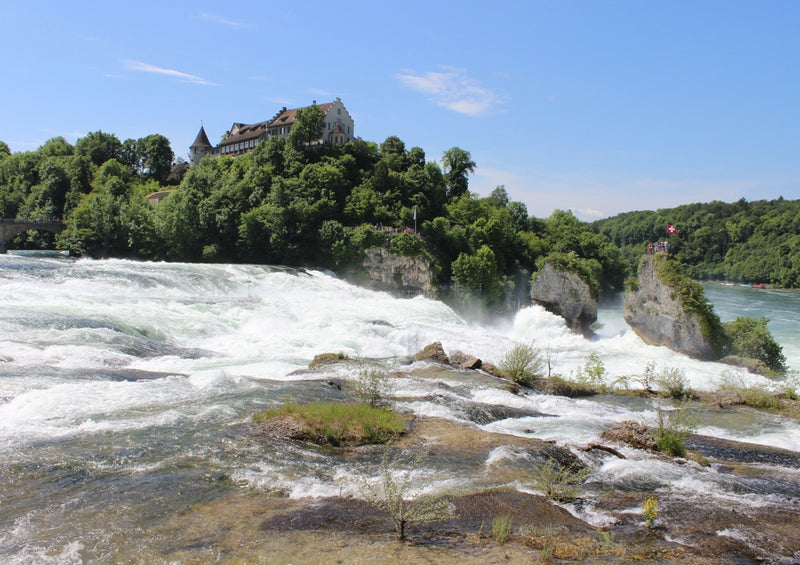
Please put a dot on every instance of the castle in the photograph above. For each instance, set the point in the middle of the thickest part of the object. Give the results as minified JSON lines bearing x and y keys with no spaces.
{"x":242,"y":138}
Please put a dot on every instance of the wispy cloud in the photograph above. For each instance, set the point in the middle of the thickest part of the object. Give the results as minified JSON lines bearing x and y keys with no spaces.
{"x":132,"y":65}
{"x":453,"y":89}
{"x":224,"y":21}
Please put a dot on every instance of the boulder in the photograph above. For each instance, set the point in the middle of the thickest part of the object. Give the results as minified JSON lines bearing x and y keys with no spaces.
{"x":433,"y":352}
{"x":654,"y":312}
{"x":464,"y":361}
{"x":565,"y":294}
{"x":631,"y":433}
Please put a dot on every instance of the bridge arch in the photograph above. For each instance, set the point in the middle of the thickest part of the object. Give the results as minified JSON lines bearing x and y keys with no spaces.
{"x":9,"y":229}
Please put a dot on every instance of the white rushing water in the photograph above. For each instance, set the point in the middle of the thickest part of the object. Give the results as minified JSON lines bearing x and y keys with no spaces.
{"x":120,"y":371}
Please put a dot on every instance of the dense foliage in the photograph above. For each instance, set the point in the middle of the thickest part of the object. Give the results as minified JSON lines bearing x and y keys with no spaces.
{"x":751,"y":339}
{"x":294,"y":203}
{"x":749,"y":242}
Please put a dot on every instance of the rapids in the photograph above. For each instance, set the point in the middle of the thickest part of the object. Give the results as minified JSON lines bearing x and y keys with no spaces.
{"x":121,"y":383}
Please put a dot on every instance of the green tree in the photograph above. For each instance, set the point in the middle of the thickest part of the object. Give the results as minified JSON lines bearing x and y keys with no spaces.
{"x":155,"y":157}
{"x":457,"y":164}
{"x":5,"y":150}
{"x":477,"y":274}
{"x":308,"y":127}
{"x":99,"y":147}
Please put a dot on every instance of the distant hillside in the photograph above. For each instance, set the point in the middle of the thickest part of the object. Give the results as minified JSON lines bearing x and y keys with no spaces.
{"x":748,"y":242}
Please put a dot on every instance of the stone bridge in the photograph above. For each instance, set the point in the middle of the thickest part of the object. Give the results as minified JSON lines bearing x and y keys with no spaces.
{"x":9,"y":229}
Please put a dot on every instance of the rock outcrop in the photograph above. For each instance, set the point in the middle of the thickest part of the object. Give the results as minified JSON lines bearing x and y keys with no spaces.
{"x":631,"y":433}
{"x":655,"y":313}
{"x":433,"y":352}
{"x":565,"y":294}
{"x":411,"y":276}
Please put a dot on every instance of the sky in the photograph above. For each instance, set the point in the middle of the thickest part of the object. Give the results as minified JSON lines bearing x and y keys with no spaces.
{"x":597,"y":107}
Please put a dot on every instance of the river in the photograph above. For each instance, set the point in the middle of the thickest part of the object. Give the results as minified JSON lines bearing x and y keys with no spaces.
{"x":120,"y":383}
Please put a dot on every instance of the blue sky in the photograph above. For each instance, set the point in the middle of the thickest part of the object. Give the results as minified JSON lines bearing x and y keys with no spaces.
{"x":594,"y":106}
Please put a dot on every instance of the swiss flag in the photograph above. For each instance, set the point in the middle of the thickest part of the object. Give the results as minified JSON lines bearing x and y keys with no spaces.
{"x":671,"y":229}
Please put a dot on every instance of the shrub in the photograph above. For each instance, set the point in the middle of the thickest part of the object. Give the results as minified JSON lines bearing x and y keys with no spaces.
{"x":522,"y":364}
{"x":648,"y":376}
{"x":370,"y":384}
{"x":672,"y":428}
{"x":591,"y":374}
{"x":405,"y":244}
{"x":392,"y":495}
{"x":750,"y":338}
{"x":562,"y":484}
{"x":672,"y":383}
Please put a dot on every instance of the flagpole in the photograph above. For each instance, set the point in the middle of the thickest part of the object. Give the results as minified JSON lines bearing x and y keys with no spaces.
{"x":415,"y":220}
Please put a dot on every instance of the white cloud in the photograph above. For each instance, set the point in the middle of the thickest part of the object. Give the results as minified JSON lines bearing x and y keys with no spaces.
{"x":132,"y":65}
{"x":453,"y":89}
{"x":224,"y":21}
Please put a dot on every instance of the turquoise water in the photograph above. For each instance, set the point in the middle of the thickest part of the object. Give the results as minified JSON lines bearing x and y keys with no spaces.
{"x":781,"y":307}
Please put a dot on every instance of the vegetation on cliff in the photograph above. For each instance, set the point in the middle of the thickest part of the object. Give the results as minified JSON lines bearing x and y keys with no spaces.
{"x":747,"y":338}
{"x":290,"y":203}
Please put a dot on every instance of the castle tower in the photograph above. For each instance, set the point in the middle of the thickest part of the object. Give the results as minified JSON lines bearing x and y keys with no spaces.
{"x":199,"y":148}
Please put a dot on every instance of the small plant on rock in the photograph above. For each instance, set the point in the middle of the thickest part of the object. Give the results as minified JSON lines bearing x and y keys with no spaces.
{"x":501,"y":528}
{"x":650,"y":508}
{"x":591,"y":374}
{"x":672,"y":383}
{"x":370,"y":384}
{"x":562,"y":484}
{"x":672,"y":428}
{"x":522,"y":364}
{"x":393,"y":495}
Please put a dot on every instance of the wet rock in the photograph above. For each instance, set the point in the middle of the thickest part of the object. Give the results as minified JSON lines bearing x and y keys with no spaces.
{"x":409,"y":276}
{"x":433,"y":352}
{"x":326,"y":358}
{"x":566,"y":295}
{"x":655,"y":313}
{"x":464,"y":361}
{"x":631,"y":433}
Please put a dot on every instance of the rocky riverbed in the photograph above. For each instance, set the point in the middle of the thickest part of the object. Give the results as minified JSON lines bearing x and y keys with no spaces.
{"x":755,"y":523}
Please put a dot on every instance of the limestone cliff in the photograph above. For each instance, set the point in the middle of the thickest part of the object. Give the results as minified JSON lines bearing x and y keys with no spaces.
{"x":656,"y":312}
{"x":565,"y":294}
{"x":410,"y":276}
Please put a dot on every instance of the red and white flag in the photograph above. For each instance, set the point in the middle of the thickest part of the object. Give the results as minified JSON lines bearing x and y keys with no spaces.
{"x":671,"y":229}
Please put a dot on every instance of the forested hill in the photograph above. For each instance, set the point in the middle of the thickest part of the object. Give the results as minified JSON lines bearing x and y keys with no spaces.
{"x":293,"y":202}
{"x":748,"y":242}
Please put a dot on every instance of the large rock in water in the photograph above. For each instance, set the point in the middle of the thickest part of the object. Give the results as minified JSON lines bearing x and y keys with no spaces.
{"x":655,"y":313}
{"x":566,"y":295}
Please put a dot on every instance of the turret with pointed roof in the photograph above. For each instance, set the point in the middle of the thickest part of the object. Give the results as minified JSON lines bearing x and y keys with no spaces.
{"x":200,"y":147}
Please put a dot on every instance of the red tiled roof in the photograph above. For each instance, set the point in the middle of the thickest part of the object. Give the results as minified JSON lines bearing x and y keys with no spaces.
{"x":246,"y":132}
